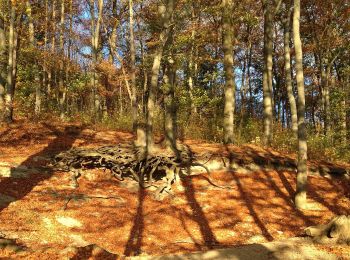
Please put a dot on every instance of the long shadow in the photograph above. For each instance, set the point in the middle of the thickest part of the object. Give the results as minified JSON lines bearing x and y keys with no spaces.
{"x":133,"y":246}
{"x":251,"y":209}
{"x":199,"y":216}
{"x":248,"y":203}
{"x":314,"y":195}
{"x":20,"y":187}
{"x":287,"y":199}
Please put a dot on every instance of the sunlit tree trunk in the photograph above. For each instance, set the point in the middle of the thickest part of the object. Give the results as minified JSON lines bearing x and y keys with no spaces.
{"x":8,"y":116}
{"x":53,"y":45}
{"x":300,"y":196}
{"x":2,"y":66}
{"x":169,"y":102}
{"x":267,"y":72}
{"x":132,"y":66}
{"x":62,"y":88}
{"x":165,"y":14}
{"x":230,"y":101}
{"x":37,"y":83}
{"x":287,"y":67}
{"x":191,"y":62}
{"x":45,"y":80}
{"x":95,"y":36}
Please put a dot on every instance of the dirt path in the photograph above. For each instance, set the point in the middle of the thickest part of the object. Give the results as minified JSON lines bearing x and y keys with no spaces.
{"x":35,"y":212}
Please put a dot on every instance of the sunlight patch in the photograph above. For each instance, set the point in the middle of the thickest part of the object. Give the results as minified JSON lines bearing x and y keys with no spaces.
{"x":69,"y":222}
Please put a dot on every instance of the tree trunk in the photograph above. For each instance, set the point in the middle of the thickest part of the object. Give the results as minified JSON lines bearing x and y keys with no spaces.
{"x":191,"y":63}
{"x":165,"y":12}
{"x":327,"y":111}
{"x":267,"y":72}
{"x":53,"y":45}
{"x":62,"y":89}
{"x":287,"y":66}
{"x":169,"y":102}
{"x":8,"y":117}
{"x":95,"y":35}
{"x":230,"y":88}
{"x":2,"y":67}
{"x":37,"y":83}
{"x":300,"y":196}
{"x":132,"y":67}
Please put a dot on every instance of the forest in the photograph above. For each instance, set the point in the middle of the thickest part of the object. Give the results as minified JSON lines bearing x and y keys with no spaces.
{"x":122,"y":121}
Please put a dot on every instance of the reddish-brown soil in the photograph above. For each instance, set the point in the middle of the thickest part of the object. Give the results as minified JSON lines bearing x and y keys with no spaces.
{"x":258,"y":208}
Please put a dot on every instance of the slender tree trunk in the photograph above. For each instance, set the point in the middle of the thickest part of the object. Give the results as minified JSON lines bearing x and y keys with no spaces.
{"x":165,"y":13}
{"x":251,"y":97}
{"x":96,"y":27}
{"x":191,"y":63}
{"x":45,"y":80}
{"x":2,"y":66}
{"x":230,"y":88}
{"x":300,"y":196}
{"x":288,"y":72}
{"x":267,"y":73}
{"x":37,"y":83}
{"x":62,"y":89}
{"x":8,"y":117}
{"x":169,"y":101}
{"x":344,"y":126}
{"x":327,"y":124}
{"x":53,"y":45}
{"x":132,"y":67}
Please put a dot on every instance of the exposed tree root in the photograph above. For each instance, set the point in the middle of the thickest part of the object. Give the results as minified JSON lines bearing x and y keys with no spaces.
{"x":337,"y":231}
{"x":161,"y":167}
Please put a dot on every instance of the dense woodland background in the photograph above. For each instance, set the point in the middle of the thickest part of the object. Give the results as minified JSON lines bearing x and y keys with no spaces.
{"x":230,"y":71}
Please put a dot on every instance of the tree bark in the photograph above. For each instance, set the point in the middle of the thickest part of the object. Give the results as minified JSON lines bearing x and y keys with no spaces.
{"x":165,"y":13}
{"x":61,"y":86}
{"x":230,"y":88}
{"x":8,"y":115}
{"x":300,"y":196}
{"x":169,"y":102}
{"x":132,"y":67}
{"x":53,"y":45}
{"x":2,"y":67}
{"x":267,"y":72}
{"x":37,"y":84}
{"x":95,"y":35}
{"x":287,"y":67}
{"x":191,"y":62}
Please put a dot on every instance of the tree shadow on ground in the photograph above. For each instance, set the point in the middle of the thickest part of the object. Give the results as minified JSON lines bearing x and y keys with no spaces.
{"x":134,"y":243}
{"x":20,"y":187}
{"x":255,"y":206}
{"x":198,"y":215}
{"x":93,"y":252}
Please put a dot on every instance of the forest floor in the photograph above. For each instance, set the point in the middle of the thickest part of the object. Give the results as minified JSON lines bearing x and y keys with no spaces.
{"x":36,"y":222}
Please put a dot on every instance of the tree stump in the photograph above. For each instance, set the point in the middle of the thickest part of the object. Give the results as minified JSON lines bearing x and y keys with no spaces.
{"x":337,"y":231}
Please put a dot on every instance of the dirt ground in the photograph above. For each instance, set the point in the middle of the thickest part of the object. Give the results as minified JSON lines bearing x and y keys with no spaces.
{"x":36,"y":214}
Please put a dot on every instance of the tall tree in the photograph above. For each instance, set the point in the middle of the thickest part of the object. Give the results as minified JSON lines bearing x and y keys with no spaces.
{"x":95,"y":42}
{"x":165,"y":13}
{"x":132,"y":66}
{"x":287,"y":68}
{"x":300,"y":196}
{"x":230,"y":87}
{"x":267,"y":72}
{"x":61,"y":86}
{"x":31,"y":32}
{"x":2,"y":65}
{"x":11,"y":66}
